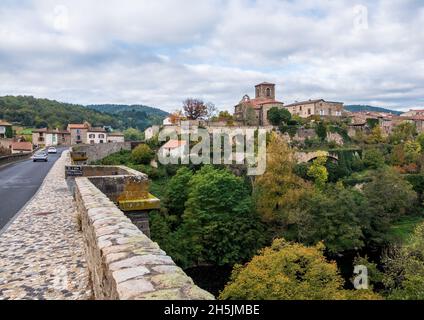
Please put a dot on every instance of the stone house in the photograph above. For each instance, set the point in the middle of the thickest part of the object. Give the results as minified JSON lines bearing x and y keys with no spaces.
{"x":318,"y":107}
{"x":78,"y":133}
{"x":46,"y":137}
{"x":263,"y":102}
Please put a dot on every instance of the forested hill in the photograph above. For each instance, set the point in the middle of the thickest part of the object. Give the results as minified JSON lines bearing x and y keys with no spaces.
{"x":358,"y":108}
{"x":40,"y":113}
{"x":134,"y":116}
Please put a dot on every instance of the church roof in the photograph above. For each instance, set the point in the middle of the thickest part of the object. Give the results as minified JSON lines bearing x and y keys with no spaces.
{"x":258,"y":102}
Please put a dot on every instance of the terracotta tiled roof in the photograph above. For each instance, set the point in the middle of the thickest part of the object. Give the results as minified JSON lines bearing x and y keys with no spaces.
{"x":77,"y":126}
{"x":4,"y":123}
{"x":258,"y":102}
{"x":173,"y":144}
{"x":309,"y":102}
{"x":24,"y":146}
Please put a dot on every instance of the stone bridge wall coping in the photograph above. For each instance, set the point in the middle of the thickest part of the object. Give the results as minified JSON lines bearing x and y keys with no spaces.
{"x":124,"y":263}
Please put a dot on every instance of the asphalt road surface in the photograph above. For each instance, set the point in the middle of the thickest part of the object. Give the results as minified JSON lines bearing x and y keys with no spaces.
{"x":19,"y":182}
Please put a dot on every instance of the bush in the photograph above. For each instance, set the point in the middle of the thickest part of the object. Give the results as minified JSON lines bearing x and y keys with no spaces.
{"x":142,"y":154}
{"x":373,"y":158}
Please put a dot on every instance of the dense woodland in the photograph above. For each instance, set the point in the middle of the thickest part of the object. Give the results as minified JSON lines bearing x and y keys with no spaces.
{"x":41,"y":113}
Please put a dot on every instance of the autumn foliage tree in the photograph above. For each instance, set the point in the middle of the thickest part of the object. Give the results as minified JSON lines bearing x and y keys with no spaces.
{"x":278,"y":191}
{"x":290,"y":271}
{"x":195,"y":109}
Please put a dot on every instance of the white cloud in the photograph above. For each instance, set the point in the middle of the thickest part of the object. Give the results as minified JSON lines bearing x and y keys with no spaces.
{"x":159,"y":52}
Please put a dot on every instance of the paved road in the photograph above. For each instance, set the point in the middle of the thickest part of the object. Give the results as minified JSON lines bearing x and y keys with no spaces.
{"x":19,"y":182}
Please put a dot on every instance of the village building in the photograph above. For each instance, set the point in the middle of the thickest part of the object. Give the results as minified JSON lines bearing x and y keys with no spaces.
{"x":318,"y":107}
{"x":47,"y":137}
{"x":263,"y":102}
{"x":78,"y":133}
{"x":413,"y":113}
{"x":96,"y":135}
{"x":173,"y":148}
{"x":150,"y":132}
{"x":6,"y":129}
{"x":21,"y":147}
{"x":114,"y":137}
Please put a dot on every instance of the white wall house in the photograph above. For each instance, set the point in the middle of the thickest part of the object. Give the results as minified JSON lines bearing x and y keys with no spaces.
{"x":96,"y":136}
{"x":167,"y":122}
{"x":173,"y":149}
{"x":149,"y":133}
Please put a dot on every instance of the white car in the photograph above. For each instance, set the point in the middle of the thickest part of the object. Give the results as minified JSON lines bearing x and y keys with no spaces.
{"x":40,"y":156}
{"x":52,"y":150}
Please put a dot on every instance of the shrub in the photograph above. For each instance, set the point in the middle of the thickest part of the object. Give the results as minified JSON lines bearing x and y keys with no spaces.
{"x":142,"y":154}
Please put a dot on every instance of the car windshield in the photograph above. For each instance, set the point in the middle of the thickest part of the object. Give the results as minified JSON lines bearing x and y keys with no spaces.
{"x":42,"y":153}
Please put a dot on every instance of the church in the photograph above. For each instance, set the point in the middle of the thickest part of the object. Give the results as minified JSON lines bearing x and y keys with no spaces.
{"x":263,"y":102}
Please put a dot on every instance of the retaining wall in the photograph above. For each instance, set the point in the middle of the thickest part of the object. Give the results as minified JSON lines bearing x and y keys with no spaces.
{"x":99,"y":151}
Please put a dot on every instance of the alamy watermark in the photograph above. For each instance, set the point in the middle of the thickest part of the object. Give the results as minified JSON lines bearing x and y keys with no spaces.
{"x":194,"y":145}
{"x":360,"y":282}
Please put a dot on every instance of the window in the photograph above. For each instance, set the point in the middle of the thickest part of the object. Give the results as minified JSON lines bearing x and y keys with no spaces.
{"x":300,"y":108}
{"x":322,"y":112}
{"x":101,"y":136}
{"x":101,"y":141}
{"x":91,"y":141}
{"x":268,"y":92}
{"x":92,"y":136}
{"x":79,"y":138}
{"x":309,"y":111}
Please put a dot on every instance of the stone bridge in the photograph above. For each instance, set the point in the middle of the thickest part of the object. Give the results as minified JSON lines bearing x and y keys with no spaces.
{"x":302,"y":157}
{"x":86,"y":236}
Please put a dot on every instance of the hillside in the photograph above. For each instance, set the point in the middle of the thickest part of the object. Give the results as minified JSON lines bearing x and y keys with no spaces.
{"x":359,"y":108}
{"x":31,"y":112}
{"x":134,"y":116}
{"x":40,"y":113}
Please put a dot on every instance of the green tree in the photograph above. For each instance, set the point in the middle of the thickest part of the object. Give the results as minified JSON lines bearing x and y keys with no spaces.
{"x":132,"y":134}
{"x":277,"y":116}
{"x":219,"y":225}
{"x":318,"y":172}
{"x":420,"y":140}
{"x":142,"y":154}
{"x":177,"y":192}
{"x":403,"y":132}
{"x":373,"y":158}
{"x":404,"y":269}
{"x":376,"y":135}
{"x":412,"y":151}
{"x":288,"y":271}
{"x":334,"y":216}
{"x":389,"y":197}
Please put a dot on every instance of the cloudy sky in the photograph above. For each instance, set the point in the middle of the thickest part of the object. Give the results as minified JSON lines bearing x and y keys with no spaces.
{"x":159,"y":52}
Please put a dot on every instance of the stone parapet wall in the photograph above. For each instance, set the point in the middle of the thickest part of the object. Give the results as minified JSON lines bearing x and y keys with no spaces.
{"x":96,"y":152}
{"x":123,"y":262}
